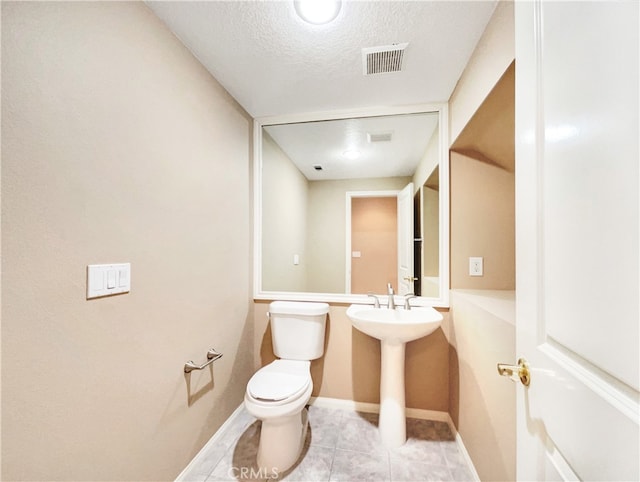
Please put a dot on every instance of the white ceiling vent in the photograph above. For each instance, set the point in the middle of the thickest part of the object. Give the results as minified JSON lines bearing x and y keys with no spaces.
{"x":379,"y":136}
{"x":381,"y":60}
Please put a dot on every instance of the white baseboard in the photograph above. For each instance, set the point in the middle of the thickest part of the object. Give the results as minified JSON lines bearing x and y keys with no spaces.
{"x":463,"y":450}
{"x":465,"y":454}
{"x":341,"y":404}
{"x":410,"y":412}
{"x":375,"y":408}
{"x":220,"y":433}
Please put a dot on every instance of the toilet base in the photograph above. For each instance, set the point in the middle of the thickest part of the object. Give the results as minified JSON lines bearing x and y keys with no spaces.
{"x":281,"y":442}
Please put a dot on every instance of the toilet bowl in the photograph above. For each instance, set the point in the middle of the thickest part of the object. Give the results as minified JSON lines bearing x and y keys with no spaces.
{"x":278,"y":393}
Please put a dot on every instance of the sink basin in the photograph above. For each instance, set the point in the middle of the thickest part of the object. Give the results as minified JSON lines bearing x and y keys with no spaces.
{"x":394,"y":328}
{"x":397,"y":325}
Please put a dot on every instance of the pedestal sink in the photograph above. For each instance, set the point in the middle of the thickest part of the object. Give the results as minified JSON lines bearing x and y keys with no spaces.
{"x":394,"y":328}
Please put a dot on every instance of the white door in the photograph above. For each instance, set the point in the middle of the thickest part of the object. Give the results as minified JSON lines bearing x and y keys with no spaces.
{"x":405,"y":240}
{"x":577,"y":231}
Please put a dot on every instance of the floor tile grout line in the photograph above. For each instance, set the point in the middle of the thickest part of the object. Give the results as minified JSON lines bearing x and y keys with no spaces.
{"x":333,"y":458}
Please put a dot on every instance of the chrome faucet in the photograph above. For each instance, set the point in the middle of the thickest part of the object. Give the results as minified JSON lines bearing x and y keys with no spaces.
{"x":376,"y":301}
{"x":407,"y":297}
{"x":391,"y":304}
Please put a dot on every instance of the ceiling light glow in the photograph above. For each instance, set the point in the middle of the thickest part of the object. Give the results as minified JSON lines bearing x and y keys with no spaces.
{"x":351,"y":154}
{"x":317,"y":12}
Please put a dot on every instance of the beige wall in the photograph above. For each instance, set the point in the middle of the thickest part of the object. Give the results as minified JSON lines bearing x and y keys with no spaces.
{"x":482,"y":223}
{"x":350,"y":367}
{"x":326,"y":241}
{"x":284,"y":223}
{"x":117,"y":147}
{"x":431,"y":233}
{"x":490,"y":133}
{"x":483,"y":404}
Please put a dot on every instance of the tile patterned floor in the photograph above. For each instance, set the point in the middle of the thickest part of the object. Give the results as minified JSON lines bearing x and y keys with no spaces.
{"x":340,"y":446}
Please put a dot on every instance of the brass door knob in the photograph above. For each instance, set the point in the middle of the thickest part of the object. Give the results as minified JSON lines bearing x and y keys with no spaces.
{"x":515,"y":372}
{"x":410,"y":279}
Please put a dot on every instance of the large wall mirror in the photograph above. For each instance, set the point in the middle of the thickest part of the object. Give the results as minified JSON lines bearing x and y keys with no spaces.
{"x":348,"y":202}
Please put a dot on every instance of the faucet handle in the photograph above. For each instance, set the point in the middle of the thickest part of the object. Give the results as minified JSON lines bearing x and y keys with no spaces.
{"x":376,"y":301}
{"x":407,"y":297}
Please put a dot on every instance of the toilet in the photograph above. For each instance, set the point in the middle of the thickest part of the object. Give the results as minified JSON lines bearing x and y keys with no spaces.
{"x":278,"y":393}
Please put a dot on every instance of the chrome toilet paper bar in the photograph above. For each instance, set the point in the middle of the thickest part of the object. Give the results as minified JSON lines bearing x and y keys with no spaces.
{"x":212,"y":355}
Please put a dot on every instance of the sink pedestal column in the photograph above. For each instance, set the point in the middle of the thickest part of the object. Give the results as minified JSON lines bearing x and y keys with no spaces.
{"x":392,"y":424}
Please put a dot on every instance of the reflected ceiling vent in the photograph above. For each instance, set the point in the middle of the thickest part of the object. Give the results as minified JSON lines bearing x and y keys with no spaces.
{"x":382,"y":60}
{"x":317,"y":167}
{"x":379,"y":137}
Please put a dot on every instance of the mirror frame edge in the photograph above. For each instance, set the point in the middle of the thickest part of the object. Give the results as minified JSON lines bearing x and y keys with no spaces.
{"x":443,"y":132}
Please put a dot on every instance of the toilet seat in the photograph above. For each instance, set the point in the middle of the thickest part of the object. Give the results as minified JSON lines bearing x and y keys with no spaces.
{"x":280,"y":382}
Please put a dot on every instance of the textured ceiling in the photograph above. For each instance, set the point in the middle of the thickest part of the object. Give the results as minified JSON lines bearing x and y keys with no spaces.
{"x":324,"y":143}
{"x":273,"y":63}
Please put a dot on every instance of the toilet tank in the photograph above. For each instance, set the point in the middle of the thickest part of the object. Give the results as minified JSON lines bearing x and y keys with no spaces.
{"x":297,"y":329}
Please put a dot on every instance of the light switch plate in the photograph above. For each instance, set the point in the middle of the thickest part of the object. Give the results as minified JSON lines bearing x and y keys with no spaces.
{"x":476,"y":267}
{"x":108,"y":279}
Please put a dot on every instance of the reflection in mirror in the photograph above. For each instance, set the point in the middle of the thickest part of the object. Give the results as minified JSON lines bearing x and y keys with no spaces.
{"x":329,"y":209}
{"x":374,"y":241}
{"x":429,"y":235}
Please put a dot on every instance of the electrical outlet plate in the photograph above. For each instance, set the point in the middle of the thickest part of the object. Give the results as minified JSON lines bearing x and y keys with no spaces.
{"x":476,"y":267}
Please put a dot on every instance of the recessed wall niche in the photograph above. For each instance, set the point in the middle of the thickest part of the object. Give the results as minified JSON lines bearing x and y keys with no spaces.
{"x":483,"y":192}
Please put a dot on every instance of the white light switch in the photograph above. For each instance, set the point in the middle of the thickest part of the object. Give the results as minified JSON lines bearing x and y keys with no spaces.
{"x":111,"y":279}
{"x":296,"y":259}
{"x":356,"y":254}
{"x":108,"y":279}
{"x":123,"y":277}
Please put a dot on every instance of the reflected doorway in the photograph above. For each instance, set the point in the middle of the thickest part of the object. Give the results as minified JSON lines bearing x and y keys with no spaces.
{"x":374,"y":243}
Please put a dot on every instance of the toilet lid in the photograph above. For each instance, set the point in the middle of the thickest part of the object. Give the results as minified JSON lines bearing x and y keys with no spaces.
{"x":278,"y":381}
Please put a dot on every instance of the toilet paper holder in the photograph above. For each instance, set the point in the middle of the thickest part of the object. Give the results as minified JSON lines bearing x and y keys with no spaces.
{"x":212,"y":355}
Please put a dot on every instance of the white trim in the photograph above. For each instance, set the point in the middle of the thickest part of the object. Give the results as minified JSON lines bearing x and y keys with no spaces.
{"x":405,"y":217}
{"x":620,"y":396}
{"x":443,"y":125}
{"x":560,"y":464}
{"x":341,"y":404}
{"x":463,"y":451}
{"x":443,"y":181}
{"x":257,"y":208}
{"x":220,"y":433}
{"x":348,"y":114}
{"x":422,"y":414}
